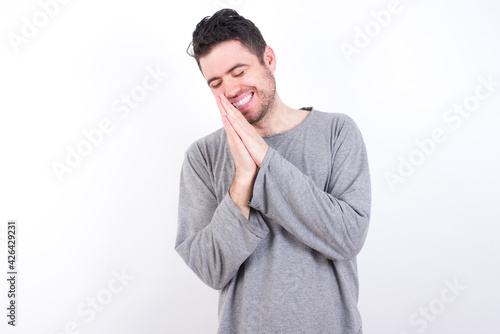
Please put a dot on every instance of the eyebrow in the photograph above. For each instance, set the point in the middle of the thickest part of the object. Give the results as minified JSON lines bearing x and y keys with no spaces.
{"x":228,"y":71}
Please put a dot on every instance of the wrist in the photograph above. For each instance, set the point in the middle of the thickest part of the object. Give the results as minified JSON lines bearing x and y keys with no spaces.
{"x":240,"y":192}
{"x":262,"y":156}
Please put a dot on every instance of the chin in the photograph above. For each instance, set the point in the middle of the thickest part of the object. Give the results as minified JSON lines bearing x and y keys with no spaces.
{"x":256,"y":117}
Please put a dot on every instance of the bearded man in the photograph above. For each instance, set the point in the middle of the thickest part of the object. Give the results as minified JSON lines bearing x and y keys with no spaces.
{"x":274,"y":206}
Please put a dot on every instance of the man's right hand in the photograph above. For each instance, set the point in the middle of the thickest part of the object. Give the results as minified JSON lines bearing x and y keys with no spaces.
{"x":246,"y":169}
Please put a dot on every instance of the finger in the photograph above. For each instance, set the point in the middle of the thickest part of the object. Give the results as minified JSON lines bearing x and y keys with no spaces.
{"x":228,"y":106}
{"x":237,"y":116}
{"x":229,"y":127}
{"x":236,"y":119}
{"x":244,"y":129}
{"x":250,"y":138}
{"x":247,"y":134}
{"x":233,"y":139}
{"x":230,"y":139}
{"x":237,"y":124}
{"x":221,"y":107}
{"x":238,"y":127}
{"x":240,"y":124}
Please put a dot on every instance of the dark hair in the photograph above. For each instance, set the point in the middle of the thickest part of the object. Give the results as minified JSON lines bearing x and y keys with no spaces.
{"x":224,"y":25}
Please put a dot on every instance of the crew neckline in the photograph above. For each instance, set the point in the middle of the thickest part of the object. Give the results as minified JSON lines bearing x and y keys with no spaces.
{"x":295,"y":129}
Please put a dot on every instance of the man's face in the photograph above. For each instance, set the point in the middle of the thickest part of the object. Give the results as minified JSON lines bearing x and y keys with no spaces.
{"x":234,"y":71}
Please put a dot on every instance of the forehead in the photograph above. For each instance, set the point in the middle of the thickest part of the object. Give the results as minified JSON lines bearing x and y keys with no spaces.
{"x":223,"y":56}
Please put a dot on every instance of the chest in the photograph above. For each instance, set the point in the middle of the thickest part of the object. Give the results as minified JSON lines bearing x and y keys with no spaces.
{"x":311,"y":155}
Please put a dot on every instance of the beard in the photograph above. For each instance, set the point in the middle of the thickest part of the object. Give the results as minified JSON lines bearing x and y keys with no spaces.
{"x":267,"y":96}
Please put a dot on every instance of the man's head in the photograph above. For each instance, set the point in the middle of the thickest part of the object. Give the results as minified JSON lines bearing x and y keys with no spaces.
{"x":235,"y":60}
{"x":225,"y":25}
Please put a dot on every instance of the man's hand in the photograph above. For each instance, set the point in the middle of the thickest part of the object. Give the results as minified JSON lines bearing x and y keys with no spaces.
{"x":248,"y":150}
{"x":254,"y":143}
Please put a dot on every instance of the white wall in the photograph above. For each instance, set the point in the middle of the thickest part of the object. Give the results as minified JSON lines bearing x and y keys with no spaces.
{"x":435,"y":226}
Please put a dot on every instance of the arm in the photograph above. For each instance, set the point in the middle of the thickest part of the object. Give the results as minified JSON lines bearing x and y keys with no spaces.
{"x":213,"y":238}
{"x":333,"y":221}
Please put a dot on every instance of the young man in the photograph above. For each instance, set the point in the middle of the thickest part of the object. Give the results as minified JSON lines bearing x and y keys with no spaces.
{"x":274,"y":206}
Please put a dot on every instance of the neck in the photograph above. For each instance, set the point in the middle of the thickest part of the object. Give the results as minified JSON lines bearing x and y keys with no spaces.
{"x":279,"y":119}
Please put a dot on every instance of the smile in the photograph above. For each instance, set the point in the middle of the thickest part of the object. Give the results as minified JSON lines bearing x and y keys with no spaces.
{"x":243,"y":101}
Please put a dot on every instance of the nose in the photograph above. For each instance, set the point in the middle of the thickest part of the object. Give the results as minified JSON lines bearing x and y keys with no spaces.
{"x":232,"y":88}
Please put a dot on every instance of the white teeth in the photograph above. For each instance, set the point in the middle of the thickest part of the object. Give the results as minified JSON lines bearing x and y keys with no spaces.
{"x":243,"y":101}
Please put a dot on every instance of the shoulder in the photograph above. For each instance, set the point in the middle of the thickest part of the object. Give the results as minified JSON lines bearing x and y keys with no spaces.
{"x":337,"y":120}
{"x":207,"y":146}
{"x":343,"y":129}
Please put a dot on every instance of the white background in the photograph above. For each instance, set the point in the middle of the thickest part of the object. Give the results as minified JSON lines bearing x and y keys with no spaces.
{"x":117,"y":209}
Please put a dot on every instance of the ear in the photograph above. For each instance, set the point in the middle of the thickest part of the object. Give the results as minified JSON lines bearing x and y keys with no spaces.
{"x":270,"y":58}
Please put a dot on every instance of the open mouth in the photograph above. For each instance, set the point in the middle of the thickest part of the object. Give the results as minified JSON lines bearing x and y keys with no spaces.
{"x":243,"y":101}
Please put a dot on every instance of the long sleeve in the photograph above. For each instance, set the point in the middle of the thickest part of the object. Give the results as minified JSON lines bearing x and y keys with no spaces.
{"x":334,"y":221}
{"x":213,"y":238}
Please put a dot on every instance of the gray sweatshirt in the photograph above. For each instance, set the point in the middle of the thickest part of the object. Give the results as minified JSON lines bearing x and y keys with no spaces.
{"x":291,"y":267}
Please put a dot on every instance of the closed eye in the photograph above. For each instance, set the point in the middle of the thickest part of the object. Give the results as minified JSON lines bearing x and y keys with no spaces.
{"x":234,"y":75}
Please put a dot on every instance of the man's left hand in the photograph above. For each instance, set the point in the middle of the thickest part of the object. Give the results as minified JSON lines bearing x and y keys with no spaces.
{"x":252,"y":140}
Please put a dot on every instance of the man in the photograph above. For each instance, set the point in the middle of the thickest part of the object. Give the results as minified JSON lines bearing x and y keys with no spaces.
{"x":274,"y":206}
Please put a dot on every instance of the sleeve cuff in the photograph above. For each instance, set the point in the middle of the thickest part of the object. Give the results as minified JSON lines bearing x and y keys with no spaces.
{"x":255,"y":222}
{"x":258,"y":186}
